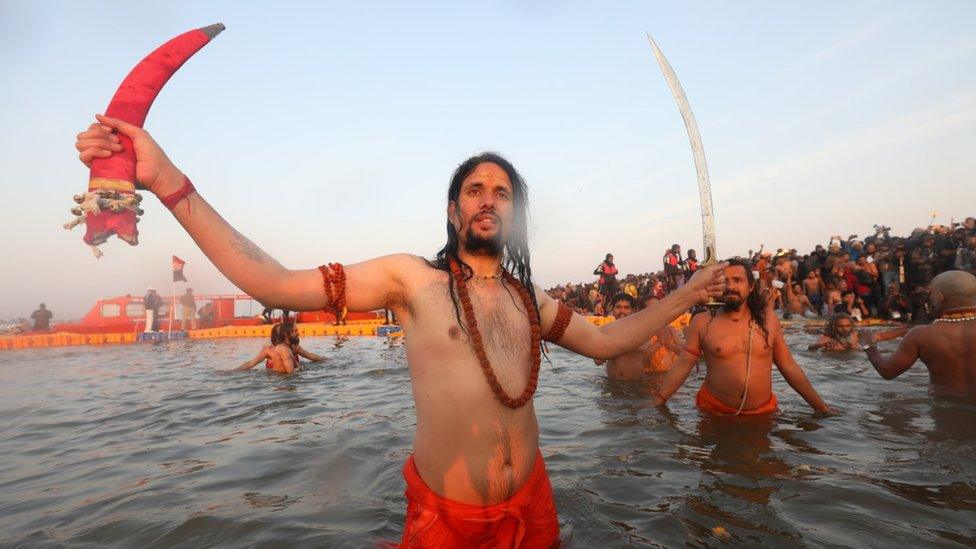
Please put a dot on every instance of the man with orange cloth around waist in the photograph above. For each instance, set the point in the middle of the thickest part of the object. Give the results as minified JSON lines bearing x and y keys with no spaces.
{"x":474,"y":322}
{"x":740,"y":344}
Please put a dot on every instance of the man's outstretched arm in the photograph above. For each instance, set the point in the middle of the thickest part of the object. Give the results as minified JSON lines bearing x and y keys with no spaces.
{"x":263,"y":354}
{"x":304,"y":353}
{"x":369,"y":284}
{"x":627,"y":334}
{"x":898,"y":362}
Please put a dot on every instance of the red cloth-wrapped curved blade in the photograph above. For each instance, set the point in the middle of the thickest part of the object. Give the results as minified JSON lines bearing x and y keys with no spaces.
{"x":131,"y":103}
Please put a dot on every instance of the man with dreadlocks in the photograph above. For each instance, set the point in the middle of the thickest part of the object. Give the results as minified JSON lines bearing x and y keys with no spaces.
{"x":740,"y":345}
{"x":473,"y":321}
{"x":839,"y":334}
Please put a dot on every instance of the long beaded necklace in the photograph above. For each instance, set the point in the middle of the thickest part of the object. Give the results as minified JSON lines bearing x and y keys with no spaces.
{"x":478,"y":345}
{"x":962,"y":314}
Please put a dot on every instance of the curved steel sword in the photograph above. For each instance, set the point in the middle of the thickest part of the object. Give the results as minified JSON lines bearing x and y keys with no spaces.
{"x":704,"y":189}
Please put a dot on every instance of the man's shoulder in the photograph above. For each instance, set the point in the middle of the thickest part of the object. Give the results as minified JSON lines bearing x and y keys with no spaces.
{"x":700,"y":319}
{"x":285,"y":350}
{"x":413,"y":271}
{"x":922,"y":332}
{"x":407,"y":261}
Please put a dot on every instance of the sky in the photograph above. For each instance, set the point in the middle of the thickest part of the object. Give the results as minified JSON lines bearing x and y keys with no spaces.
{"x":328,"y":131}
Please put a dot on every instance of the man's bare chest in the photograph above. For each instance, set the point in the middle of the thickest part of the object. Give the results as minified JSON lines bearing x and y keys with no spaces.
{"x":499,"y":317}
{"x":729,"y":339}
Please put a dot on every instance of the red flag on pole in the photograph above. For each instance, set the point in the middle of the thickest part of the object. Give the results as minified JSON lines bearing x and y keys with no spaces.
{"x":178,"y":269}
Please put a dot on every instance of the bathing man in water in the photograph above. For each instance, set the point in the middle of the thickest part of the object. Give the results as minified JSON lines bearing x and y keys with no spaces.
{"x":740,"y":345}
{"x":947,"y":346}
{"x":476,"y":477}
{"x":839,"y":335}
{"x":282,"y":355}
{"x":629,"y":365}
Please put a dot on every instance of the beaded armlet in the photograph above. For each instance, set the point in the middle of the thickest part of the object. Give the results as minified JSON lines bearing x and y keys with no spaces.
{"x":563,"y":316}
{"x":334,"y":284}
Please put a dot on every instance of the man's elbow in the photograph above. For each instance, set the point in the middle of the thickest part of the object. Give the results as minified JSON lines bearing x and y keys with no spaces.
{"x":887,"y":374}
{"x":602,"y":355}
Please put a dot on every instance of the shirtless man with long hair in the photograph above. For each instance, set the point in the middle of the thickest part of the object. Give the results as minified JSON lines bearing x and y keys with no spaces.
{"x":840,"y":335}
{"x":740,"y":344}
{"x":282,"y":356}
{"x":473,"y":320}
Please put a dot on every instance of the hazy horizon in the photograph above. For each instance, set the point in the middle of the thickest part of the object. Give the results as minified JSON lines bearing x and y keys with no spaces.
{"x":328,"y":132}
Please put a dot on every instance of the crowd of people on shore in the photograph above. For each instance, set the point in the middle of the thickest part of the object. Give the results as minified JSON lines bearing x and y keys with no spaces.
{"x":880,"y":276}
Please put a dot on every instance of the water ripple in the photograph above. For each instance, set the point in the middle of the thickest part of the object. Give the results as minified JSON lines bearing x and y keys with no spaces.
{"x":155,"y":445}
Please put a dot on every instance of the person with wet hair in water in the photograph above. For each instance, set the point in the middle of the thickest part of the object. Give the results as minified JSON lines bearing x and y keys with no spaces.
{"x":839,"y":334}
{"x":269,"y":355}
{"x":740,"y":344}
{"x":947,"y":347}
{"x":282,"y":356}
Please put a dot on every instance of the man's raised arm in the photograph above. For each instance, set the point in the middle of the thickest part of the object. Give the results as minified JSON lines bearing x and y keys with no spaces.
{"x":898,"y":362}
{"x":240,"y":260}
{"x":627,"y":334}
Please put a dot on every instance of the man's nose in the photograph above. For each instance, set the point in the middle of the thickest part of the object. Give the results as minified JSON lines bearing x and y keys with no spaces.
{"x":487,"y":201}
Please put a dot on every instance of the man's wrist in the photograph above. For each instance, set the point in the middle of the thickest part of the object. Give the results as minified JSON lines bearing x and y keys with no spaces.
{"x":169,"y":182}
{"x":685,"y":298}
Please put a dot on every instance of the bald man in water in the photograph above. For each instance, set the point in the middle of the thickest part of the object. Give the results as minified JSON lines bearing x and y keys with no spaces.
{"x":947,"y":347}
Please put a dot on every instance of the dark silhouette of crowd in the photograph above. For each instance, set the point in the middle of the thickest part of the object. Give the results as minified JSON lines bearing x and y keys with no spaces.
{"x":879,"y":276}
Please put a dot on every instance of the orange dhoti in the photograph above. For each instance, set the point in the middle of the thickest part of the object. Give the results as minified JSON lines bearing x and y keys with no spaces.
{"x":527,"y":519}
{"x":707,"y":402}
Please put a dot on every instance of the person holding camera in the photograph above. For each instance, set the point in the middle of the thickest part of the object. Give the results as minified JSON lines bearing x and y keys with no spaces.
{"x":852,"y":306}
{"x":924,"y":259}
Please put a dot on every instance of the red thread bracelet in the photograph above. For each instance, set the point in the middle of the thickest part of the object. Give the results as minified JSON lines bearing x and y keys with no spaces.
{"x":171,"y":200}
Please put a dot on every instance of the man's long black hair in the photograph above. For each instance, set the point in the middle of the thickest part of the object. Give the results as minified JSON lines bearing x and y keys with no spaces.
{"x":515,"y":254}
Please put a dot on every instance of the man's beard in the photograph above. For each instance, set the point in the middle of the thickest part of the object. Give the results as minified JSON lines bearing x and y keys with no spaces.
{"x":732,"y":306}
{"x":479,"y":245}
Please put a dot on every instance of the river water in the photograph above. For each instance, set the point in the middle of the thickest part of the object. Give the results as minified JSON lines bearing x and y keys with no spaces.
{"x":151,"y":445}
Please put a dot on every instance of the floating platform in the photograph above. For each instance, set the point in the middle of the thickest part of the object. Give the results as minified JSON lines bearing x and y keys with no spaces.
{"x":370,"y":327}
{"x":64,"y":339}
